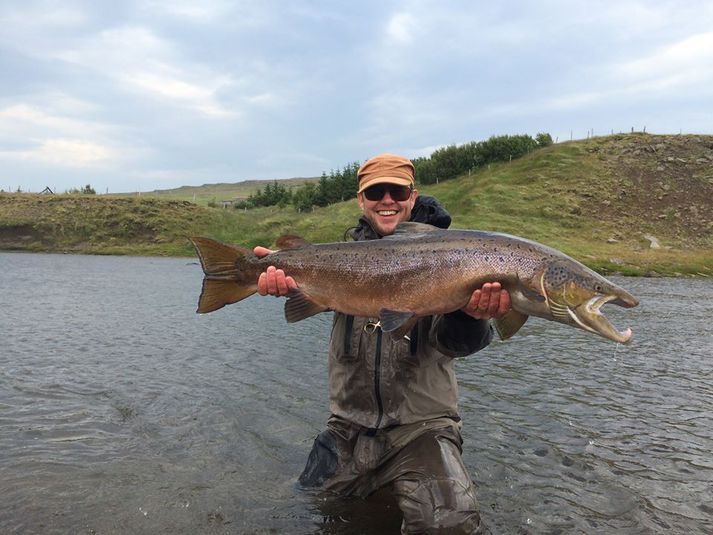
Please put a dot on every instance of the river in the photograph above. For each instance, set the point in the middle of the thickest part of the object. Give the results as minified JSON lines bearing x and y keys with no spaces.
{"x":123,"y":411}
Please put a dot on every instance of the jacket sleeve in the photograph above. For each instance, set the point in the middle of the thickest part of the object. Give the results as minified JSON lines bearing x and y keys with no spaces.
{"x":457,"y":334}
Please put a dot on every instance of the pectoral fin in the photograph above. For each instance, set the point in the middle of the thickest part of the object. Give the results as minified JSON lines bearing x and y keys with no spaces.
{"x":299,"y":306}
{"x":531,"y":294}
{"x":510,"y":323}
{"x":404,"y":329}
{"x":393,"y":320}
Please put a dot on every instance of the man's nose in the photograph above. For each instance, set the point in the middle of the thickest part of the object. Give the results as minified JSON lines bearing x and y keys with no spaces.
{"x":387,"y":196}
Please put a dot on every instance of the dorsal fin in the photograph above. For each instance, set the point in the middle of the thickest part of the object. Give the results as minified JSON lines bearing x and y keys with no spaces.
{"x":289,"y":241}
{"x":411,"y":227}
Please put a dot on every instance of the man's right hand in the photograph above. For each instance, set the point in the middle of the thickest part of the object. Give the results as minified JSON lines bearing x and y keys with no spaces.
{"x":272,"y":281}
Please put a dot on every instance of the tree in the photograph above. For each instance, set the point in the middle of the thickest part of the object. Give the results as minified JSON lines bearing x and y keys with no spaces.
{"x":543,"y":139}
{"x":304,"y":198}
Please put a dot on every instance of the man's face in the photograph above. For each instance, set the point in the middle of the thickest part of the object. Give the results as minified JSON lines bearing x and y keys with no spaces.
{"x":385,"y":213}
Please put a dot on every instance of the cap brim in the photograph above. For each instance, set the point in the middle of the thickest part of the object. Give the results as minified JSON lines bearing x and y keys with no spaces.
{"x":399,"y":181}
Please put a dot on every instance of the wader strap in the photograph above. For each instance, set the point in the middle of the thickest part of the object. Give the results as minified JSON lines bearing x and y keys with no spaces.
{"x":348,"y":334}
{"x":413,"y":340}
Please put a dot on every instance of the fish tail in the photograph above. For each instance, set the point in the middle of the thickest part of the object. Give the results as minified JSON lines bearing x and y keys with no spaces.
{"x":226,"y":280}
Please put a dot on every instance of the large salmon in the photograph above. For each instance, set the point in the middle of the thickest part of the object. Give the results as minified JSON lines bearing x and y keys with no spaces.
{"x":418,"y":271}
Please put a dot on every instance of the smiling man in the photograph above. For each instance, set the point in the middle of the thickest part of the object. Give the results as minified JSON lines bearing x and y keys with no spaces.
{"x":386,"y":192}
{"x":394,"y":420}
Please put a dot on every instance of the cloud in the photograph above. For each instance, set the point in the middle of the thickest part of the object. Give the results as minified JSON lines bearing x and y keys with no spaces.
{"x":144,"y":63}
{"x":65,"y":153}
{"x":685,"y":62}
{"x":43,"y":14}
{"x":27,"y":120}
{"x":678,"y":69}
{"x":196,"y":96}
{"x":203,"y":12}
{"x":30,"y":132}
{"x":401,"y":28}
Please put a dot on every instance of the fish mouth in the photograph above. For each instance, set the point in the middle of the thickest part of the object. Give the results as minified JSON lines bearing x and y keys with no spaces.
{"x":590,"y":318}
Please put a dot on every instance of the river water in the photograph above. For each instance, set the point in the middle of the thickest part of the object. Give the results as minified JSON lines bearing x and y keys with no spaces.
{"x":123,"y":411}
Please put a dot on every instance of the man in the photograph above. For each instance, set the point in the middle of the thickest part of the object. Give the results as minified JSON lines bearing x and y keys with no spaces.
{"x":394,"y":422}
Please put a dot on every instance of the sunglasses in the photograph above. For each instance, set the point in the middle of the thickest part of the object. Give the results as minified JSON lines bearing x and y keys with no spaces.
{"x":397,"y":193}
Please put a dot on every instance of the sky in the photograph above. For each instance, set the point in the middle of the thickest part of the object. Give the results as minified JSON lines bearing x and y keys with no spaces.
{"x":141,"y":95}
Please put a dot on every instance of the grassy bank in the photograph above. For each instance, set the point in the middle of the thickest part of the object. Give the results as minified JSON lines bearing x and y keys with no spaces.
{"x":603,"y":201}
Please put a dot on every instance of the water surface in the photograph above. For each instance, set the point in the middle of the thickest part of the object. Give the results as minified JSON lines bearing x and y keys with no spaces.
{"x":123,"y":411}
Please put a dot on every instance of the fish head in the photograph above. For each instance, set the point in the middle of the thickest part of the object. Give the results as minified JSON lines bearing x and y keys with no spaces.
{"x":575,"y":295}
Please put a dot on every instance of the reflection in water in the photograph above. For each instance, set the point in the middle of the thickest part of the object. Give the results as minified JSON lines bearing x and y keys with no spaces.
{"x":122,"y":411}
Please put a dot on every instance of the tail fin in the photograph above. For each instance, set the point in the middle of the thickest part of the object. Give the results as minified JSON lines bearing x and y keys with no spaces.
{"x":224,"y":283}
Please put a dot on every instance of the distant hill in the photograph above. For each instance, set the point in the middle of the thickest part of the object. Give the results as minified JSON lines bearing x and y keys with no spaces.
{"x":218,"y":193}
{"x":633,"y":203}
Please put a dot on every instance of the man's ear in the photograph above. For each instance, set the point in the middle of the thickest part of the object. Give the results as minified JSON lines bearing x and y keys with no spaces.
{"x":360,"y":200}
{"x":414,"y":194}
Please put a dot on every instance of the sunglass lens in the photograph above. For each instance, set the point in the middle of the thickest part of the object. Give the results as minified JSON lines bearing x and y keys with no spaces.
{"x":377,"y":192}
{"x":400,"y":193}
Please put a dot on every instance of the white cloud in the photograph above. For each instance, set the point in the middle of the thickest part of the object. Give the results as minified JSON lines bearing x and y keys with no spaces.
{"x":46,"y":15}
{"x":65,"y":153}
{"x":678,"y":69}
{"x":401,"y":28}
{"x":688,"y":59}
{"x":204,"y":11}
{"x":145,"y":63}
{"x":31,"y":133}
{"x":26,"y":120}
{"x":197,"y":97}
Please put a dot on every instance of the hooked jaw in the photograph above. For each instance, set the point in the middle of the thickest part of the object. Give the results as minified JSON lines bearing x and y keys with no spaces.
{"x":589,"y":317}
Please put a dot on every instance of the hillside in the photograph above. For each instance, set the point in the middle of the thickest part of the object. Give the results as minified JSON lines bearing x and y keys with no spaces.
{"x":604,"y":200}
{"x":99,"y":224}
{"x":217,"y":193}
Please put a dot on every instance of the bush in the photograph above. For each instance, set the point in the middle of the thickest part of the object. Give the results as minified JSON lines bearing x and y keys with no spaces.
{"x":449,"y":162}
{"x":543,"y":139}
{"x":86,"y":190}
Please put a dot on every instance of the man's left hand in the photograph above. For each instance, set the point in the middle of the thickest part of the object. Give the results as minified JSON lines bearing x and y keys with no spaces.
{"x":488,"y":302}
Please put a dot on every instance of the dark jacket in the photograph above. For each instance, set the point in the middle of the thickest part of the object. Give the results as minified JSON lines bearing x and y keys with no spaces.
{"x":376,"y":381}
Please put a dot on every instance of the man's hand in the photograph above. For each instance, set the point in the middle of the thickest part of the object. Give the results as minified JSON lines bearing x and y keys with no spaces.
{"x":272,"y":281}
{"x":488,"y":302}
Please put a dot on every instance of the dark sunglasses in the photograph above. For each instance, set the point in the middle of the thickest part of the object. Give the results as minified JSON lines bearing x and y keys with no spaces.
{"x":397,"y":193}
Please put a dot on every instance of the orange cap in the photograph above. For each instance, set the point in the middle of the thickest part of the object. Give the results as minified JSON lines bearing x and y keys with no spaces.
{"x":387,"y":168}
